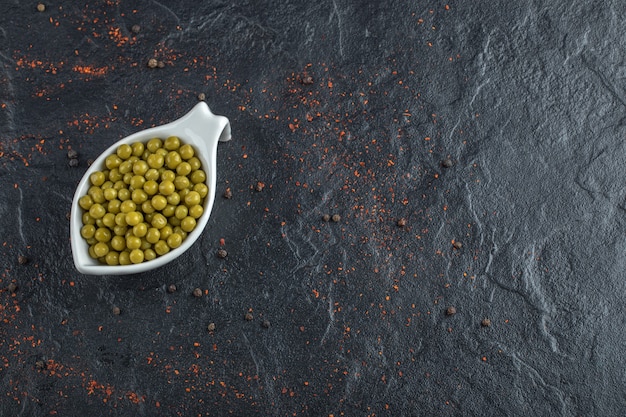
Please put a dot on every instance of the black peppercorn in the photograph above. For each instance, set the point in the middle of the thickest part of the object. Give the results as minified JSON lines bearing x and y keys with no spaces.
{"x":248,"y":316}
{"x":221,"y":253}
{"x":211,"y":327}
{"x":326,"y":217}
{"x":197,"y":292}
{"x":116,"y":310}
{"x":446,"y":163}
{"x":336,"y":218}
{"x":450,"y":311}
{"x":73,"y":162}
{"x":171,"y":288}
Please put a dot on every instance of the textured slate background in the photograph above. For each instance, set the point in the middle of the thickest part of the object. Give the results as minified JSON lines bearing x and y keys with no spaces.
{"x":526,"y":98}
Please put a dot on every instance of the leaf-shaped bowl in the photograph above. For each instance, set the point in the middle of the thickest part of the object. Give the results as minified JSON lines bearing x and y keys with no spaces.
{"x":200,"y":128}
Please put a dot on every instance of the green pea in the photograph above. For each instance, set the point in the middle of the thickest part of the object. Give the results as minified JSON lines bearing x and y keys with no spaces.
{"x":138,"y":148}
{"x":112,"y":161}
{"x":173,"y":159}
{"x":198,"y":176}
{"x":172,"y":143}
{"x":174,"y":240}
{"x":124,"y":258}
{"x":188,"y":224}
{"x":124,"y":151}
{"x":183,"y":169}
{"x":97,"y":178}
{"x":85,"y":202}
{"x":186,"y":151}
{"x":87,"y":231}
{"x":154,"y":144}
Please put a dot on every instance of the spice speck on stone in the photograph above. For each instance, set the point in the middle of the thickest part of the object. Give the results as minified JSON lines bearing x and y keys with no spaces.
{"x":40,"y":365}
{"x":73,"y":162}
{"x":336,"y":218}
{"x":265,"y":324}
{"x":211,"y":327}
{"x":171,"y":288}
{"x":201,"y":96}
{"x":221,"y":253}
{"x":135,"y":29}
{"x":116,"y":310}
{"x":446,"y":163}
{"x":22,"y":260}
{"x":259,"y":186}
{"x":450,"y":311}
{"x":72,"y":154}
{"x":197,"y":292}
{"x":41,"y":7}
{"x":248,"y":316}
{"x":306,"y":79}
{"x":401,"y":222}
{"x":485,"y":322}
{"x":228,"y":193}
{"x":457,"y":245}
{"x":161,"y":64}
{"x":12,"y":287}
{"x":152,"y":63}
{"x":326,"y":217}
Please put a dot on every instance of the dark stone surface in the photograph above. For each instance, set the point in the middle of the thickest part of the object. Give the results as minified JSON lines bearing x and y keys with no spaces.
{"x":527,"y":101}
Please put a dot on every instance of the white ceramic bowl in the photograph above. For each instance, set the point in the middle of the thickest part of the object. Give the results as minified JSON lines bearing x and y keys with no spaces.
{"x":200,"y":128}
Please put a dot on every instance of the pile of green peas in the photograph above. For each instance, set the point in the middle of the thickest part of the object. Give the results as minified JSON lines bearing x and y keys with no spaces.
{"x":144,"y":202}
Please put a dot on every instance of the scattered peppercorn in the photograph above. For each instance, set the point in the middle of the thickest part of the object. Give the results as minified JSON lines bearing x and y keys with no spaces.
{"x":485,"y":322}
{"x":41,"y":7}
{"x":248,"y":316}
{"x":446,"y":163}
{"x":152,"y":63}
{"x":221,"y":253}
{"x":450,"y":311}
{"x":73,"y":163}
{"x":171,"y":288}
{"x":22,"y":260}
{"x":12,"y":287}
{"x":72,"y":154}
{"x":306,"y":79}
{"x":116,"y":310}
{"x":401,"y":223}
{"x":89,"y":162}
{"x":68,"y":215}
{"x":197,"y":292}
{"x":201,"y":96}
{"x":228,"y":193}
{"x":161,"y":64}
{"x":211,"y":327}
{"x":40,"y":365}
{"x":259,"y":186}
{"x":457,"y":244}
{"x":326,"y":217}
{"x":136,"y":29}
{"x":265,"y":324}
{"x":336,"y":218}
